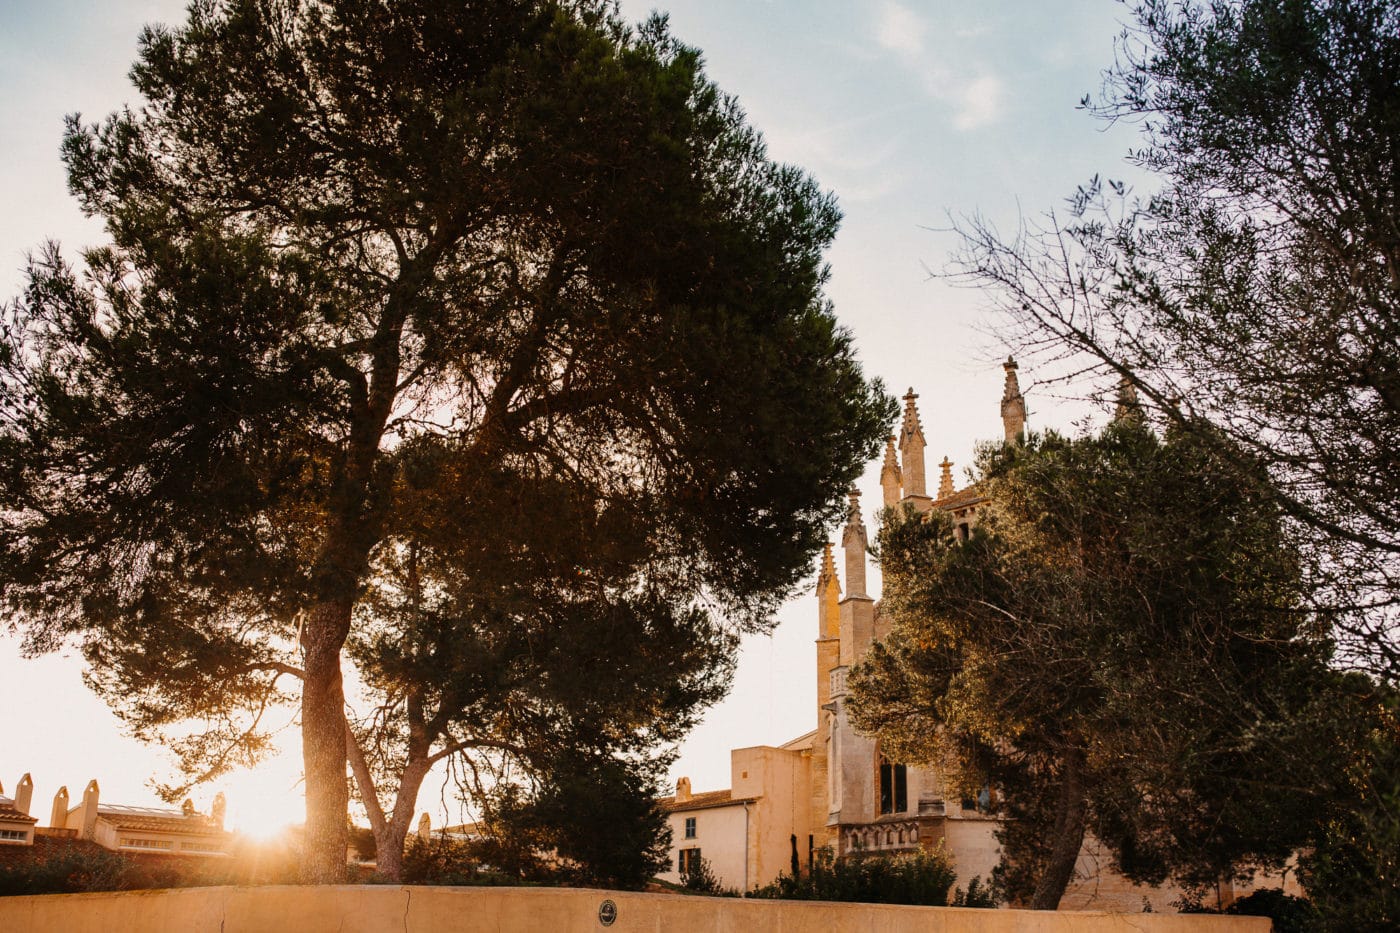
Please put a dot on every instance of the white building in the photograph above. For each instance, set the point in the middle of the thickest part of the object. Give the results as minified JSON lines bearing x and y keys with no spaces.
{"x":16,"y":825}
{"x":159,"y":830}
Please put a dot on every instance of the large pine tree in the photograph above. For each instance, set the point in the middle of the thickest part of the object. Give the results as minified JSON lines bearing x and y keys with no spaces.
{"x":515,"y":233}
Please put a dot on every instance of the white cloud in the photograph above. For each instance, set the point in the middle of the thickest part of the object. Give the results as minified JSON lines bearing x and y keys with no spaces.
{"x":978,"y":103}
{"x":973,"y":96}
{"x":900,"y":29}
{"x":842,"y":156}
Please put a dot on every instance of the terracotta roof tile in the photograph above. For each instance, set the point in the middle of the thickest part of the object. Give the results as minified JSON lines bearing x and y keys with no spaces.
{"x":705,"y":801}
{"x":9,"y":814}
{"x":184,"y":825}
{"x":960,"y":499}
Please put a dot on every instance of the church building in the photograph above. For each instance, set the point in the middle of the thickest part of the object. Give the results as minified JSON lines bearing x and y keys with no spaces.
{"x":832,"y":787}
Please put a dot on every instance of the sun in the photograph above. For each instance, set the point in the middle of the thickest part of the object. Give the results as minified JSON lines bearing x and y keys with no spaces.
{"x":265,"y":802}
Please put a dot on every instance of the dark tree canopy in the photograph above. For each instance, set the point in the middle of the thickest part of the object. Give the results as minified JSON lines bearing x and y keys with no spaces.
{"x":1352,"y":873}
{"x":1258,"y":288}
{"x":1121,"y":647}
{"x":378,"y":264}
{"x":590,"y":819}
{"x":562,"y":645}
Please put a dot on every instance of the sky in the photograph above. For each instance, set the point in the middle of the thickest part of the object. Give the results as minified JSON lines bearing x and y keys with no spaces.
{"x":913,"y":113}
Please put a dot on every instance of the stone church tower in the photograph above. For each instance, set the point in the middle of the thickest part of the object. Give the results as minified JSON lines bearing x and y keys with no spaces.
{"x":861,"y":801}
{"x":832,"y":787}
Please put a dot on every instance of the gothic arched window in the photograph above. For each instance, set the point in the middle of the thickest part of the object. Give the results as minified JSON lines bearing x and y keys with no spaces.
{"x":894,"y":788}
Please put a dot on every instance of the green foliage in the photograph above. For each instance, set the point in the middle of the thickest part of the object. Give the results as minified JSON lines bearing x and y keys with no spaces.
{"x":362,"y":843}
{"x":1120,"y":647}
{"x":1290,"y":914}
{"x":591,"y":820}
{"x":74,"y":867}
{"x":924,"y":877}
{"x":68,"y":870}
{"x":440,"y":860}
{"x":1255,"y":291}
{"x":479,"y":291}
{"x":699,"y":878}
{"x":540,"y":682}
{"x":1352,"y":874}
{"x":978,"y":894}
{"x":1254,"y":286}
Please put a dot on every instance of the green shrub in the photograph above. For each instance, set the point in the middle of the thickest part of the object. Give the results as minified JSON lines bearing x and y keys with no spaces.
{"x":699,"y":878}
{"x":978,"y":894}
{"x":74,"y":868}
{"x":66,"y":870}
{"x":924,"y":878}
{"x":439,"y":861}
{"x":1290,"y":914}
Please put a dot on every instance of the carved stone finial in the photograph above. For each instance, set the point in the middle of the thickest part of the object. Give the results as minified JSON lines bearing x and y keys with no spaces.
{"x":890,"y":477}
{"x":911,"y":425}
{"x":945,"y":479}
{"x":826,"y":576}
{"x":855,"y":542}
{"x":828,"y":596}
{"x":853,"y":519}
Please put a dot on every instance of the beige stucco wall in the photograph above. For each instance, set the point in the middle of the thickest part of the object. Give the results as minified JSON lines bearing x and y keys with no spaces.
{"x":719,"y":835}
{"x":973,"y":845}
{"x":374,"y":908}
{"x":109,"y":836}
{"x":783,"y":778}
{"x":26,"y":828}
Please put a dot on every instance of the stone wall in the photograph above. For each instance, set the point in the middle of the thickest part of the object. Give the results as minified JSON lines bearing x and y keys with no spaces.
{"x":377,"y":908}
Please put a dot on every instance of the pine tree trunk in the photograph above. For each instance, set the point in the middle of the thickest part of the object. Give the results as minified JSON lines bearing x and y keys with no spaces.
{"x":1071,"y":811}
{"x":323,"y":743}
{"x":388,"y":848}
{"x":391,"y":835}
{"x":390,"y":830}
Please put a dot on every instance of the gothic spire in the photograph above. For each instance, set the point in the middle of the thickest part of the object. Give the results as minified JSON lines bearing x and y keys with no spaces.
{"x":1013,"y":404}
{"x":911,"y":448}
{"x":854,"y":542}
{"x":1127,"y":406}
{"x":827,"y":574}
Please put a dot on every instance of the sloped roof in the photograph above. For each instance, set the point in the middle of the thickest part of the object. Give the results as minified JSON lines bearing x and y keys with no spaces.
{"x":803,"y":741}
{"x":960,"y":499}
{"x":705,"y":801}
{"x":8,"y":813}
{"x":157,"y":820}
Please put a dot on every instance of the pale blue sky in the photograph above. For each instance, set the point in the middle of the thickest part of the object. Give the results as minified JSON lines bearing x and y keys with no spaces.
{"x":910,"y":111}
